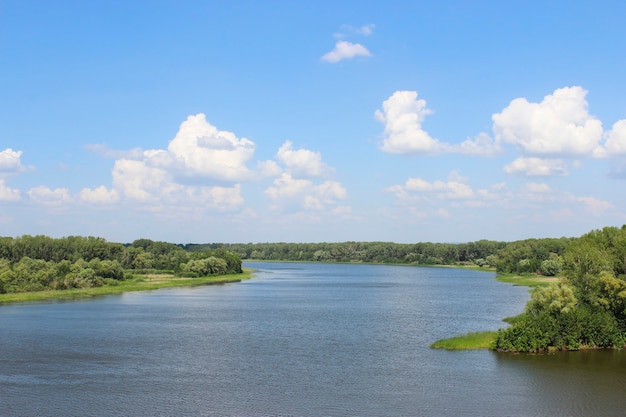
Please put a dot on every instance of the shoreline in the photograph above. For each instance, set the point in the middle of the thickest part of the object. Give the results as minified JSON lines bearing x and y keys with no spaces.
{"x":484,"y":339}
{"x":148,"y":282}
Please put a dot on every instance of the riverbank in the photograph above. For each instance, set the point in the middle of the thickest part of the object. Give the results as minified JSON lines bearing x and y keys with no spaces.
{"x":484,"y":340}
{"x":146,"y":282}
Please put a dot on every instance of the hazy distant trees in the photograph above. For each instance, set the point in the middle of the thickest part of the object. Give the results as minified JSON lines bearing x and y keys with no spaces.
{"x":424,"y":253}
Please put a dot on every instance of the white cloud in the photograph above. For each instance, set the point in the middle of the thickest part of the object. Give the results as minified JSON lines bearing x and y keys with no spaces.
{"x":493,"y":193}
{"x":201,"y":150}
{"x":481,"y":145}
{"x":403,"y":115}
{"x":99,"y":195}
{"x":345,"y":50}
{"x":106,"y":152}
{"x":137,"y":181}
{"x":342,"y":210}
{"x":559,"y":126}
{"x":10,"y":161}
{"x":177,"y":177}
{"x":455,"y":188}
{"x":8,"y":194}
{"x":293,"y":193}
{"x":364,"y":30}
{"x":287,"y":186}
{"x":536,"y":188}
{"x":157,"y":187}
{"x":302,"y":162}
{"x":616,"y":139}
{"x":595,"y":206}
{"x":48,"y":197}
{"x":294,"y":190}
{"x":222,"y":198}
{"x":537,"y":167}
{"x":269,"y":168}
{"x":330,"y":191}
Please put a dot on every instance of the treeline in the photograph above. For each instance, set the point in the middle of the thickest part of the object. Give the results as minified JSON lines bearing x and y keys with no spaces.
{"x":33,"y":263}
{"x":425,"y":253}
{"x":540,"y":256}
{"x":586,"y":309}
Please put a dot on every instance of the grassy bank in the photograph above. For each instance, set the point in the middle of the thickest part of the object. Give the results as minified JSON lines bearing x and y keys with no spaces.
{"x":527,"y":280}
{"x":139,"y":283}
{"x":472,"y":340}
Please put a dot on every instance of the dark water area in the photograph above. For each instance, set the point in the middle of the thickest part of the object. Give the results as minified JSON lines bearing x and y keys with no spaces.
{"x":297,"y":340}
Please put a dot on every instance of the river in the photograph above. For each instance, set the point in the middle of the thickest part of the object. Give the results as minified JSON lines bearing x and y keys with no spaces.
{"x":296,"y":340}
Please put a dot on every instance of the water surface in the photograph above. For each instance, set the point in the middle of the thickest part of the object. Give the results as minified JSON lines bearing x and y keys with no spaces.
{"x":297,"y":340}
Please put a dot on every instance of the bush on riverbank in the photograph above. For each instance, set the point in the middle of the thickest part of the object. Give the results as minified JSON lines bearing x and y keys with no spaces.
{"x":586,"y":310}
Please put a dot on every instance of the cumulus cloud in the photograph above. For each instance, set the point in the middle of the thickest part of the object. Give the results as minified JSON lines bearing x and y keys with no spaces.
{"x":99,"y":195}
{"x":201,"y":150}
{"x":289,"y":192}
{"x":196,"y":168}
{"x":536,"y":187}
{"x":287,"y":186}
{"x":49,"y":197}
{"x":403,"y":114}
{"x":481,"y":145}
{"x":138,"y":181}
{"x":595,"y":206}
{"x":364,"y":30}
{"x":7,"y":193}
{"x":106,"y":152}
{"x":419,"y":198}
{"x":295,"y":188}
{"x":221,"y":198}
{"x":302,"y":162}
{"x":559,"y":126}
{"x":10,"y":161}
{"x":269,"y":168}
{"x":456,"y":187}
{"x":345,"y":50}
{"x":616,"y":139}
{"x":537,"y":167}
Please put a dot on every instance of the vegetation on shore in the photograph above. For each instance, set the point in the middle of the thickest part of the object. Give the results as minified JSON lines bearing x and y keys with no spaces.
{"x":586,"y":309}
{"x":531,"y":281}
{"x":486,"y":339}
{"x":468,"y":341}
{"x":40,"y":266}
{"x":145,"y":282}
{"x":583,"y":309}
{"x":521,"y":257}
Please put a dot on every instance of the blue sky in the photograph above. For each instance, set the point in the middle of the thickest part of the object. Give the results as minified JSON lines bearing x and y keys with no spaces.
{"x":248,"y":121}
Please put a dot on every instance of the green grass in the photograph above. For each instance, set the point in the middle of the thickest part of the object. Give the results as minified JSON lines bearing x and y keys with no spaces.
{"x":471,"y":340}
{"x":140,"y":283}
{"x":527,"y":280}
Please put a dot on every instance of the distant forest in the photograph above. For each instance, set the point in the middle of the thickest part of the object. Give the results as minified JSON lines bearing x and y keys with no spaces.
{"x":542,"y":256}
